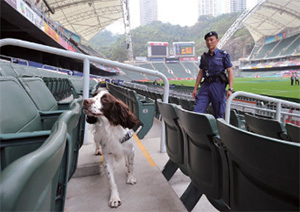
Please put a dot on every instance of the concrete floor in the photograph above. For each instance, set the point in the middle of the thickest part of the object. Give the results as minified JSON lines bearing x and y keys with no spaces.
{"x":88,"y":189}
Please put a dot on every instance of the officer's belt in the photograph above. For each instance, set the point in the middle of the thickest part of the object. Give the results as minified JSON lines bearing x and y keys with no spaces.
{"x":212,"y":79}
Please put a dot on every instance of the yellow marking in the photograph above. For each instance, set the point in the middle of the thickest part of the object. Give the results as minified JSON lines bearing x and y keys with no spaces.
{"x":144,"y":151}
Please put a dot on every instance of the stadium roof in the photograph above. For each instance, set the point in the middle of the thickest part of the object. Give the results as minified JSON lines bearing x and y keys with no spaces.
{"x":271,"y":17}
{"x":85,"y":17}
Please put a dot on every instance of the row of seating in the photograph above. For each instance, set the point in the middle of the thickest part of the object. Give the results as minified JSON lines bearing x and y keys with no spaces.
{"x":141,"y":107}
{"x":253,"y":123}
{"x":235,"y":169}
{"x":283,"y":47}
{"x":36,"y":163}
{"x":60,"y":85}
{"x":272,"y":128}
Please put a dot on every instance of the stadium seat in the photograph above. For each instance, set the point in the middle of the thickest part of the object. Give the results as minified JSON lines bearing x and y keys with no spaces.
{"x":174,"y":140}
{"x":174,"y":100}
{"x":235,"y":119}
{"x":264,"y":172}
{"x":30,"y":183}
{"x":6,"y":69}
{"x":265,"y":126}
{"x":205,"y":158}
{"x":23,"y":128}
{"x":186,"y":104}
{"x":41,"y":95}
{"x":72,"y":118}
{"x":293,"y":132}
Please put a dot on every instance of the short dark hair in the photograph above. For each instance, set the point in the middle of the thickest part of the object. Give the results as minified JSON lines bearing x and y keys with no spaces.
{"x":210,"y":34}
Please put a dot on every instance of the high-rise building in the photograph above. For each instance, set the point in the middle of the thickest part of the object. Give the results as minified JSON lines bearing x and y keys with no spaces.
{"x":210,"y":7}
{"x":237,"y":5}
{"x":148,"y":11}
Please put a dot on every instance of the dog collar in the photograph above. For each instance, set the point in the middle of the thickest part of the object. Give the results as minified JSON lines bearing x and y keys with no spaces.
{"x":128,"y":135}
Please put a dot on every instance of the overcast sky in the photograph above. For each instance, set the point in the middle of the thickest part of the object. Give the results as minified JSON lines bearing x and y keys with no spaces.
{"x":182,"y":12}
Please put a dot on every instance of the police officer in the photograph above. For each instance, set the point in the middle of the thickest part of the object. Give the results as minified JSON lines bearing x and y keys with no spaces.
{"x":213,"y":88}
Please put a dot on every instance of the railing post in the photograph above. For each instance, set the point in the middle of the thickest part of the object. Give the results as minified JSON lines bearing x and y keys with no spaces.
{"x":86,"y":85}
{"x":278,"y":111}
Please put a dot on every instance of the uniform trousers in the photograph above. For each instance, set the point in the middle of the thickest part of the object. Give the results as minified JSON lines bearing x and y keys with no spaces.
{"x":212,"y":92}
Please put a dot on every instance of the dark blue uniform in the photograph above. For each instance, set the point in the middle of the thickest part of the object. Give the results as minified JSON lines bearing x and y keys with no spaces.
{"x":213,"y":89}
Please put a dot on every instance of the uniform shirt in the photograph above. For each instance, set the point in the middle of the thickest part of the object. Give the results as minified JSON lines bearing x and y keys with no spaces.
{"x":216,"y":63}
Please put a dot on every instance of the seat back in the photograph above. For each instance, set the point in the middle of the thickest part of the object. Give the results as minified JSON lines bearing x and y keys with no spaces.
{"x":264,"y":126}
{"x":264,"y":172}
{"x":174,"y":137}
{"x":30,"y":183}
{"x":17,"y":111}
{"x":71,"y":118}
{"x":39,"y":93}
{"x":203,"y":157}
{"x":293,"y":132}
{"x":7,"y":70}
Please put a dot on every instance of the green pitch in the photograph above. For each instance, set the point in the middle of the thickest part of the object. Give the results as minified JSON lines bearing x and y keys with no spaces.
{"x":267,"y":86}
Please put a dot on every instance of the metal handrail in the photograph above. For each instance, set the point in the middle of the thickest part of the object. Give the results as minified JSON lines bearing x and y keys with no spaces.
{"x":86,"y":67}
{"x":279,"y":103}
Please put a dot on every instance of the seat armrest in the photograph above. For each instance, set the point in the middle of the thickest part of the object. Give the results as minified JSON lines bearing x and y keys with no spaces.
{"x":48,"y":118}
{"x":23,"y":136}
{"x":63,"y":105}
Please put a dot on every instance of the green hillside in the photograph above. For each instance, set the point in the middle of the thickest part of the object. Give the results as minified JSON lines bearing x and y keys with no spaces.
{"x":114,"y":46}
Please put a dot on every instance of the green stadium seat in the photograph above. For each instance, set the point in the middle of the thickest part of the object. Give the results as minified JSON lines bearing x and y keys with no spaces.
{"x":174,"y":100}
{"x":41,"y":95}
{"x":265,"y":126}
{"x":6,"y":69}
{"x":293,"y":132}
{"x":235,"y":119}
{"x":205,"y":158}
{"x":264,"y":172}
{"x":30,"y":183}
{"x":72,"y":118}
{"x":186,"y":104}
{"x":174,"y":140}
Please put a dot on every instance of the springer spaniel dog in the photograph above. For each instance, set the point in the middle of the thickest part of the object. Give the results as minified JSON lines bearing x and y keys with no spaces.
{"x":113,"y":123}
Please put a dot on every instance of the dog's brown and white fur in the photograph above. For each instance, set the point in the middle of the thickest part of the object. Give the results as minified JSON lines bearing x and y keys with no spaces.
{"x":114,"y":121}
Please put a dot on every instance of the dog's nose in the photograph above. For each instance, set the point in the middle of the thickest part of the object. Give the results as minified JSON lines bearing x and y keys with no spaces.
{"x":88,"y":102}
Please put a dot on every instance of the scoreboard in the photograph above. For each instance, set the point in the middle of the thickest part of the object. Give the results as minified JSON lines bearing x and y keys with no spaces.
{"x":158,"y":49}
{"x":184,"y":49}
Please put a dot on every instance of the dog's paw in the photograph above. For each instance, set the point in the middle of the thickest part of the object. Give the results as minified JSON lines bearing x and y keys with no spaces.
{"x":131,"y":179}
{"x":114,"y":202}
{"x":98,"y":152}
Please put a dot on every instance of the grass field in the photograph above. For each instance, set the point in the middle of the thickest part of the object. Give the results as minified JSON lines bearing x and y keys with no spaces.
{"x":267,"y":86}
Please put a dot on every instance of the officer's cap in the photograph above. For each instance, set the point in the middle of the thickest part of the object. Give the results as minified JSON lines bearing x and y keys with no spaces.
{"x":212,"y":33}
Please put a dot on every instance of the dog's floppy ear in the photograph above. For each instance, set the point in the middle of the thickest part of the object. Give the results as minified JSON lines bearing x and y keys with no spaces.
{"x":120,"y":114}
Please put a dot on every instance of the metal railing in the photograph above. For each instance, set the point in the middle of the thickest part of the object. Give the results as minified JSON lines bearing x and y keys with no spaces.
{"x":86,"y":69}
{"x":278,"y":102}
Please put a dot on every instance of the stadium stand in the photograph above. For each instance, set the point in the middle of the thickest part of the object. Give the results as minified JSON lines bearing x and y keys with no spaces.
{"x":220,"y":160}
{"x":203,"y":159}
{"x":265,"y":126}
{"x":23,"y":181}
{"x":174,"y":140}
{"x":256,"y":170}
{"x":192,"y":67}
{"x":293,"y":132}
{"x":28,"y":128}
{"x":161,"y":67}
{"x":178,"y":69}
{"x":282,"y":45}
{"x":266,"y":49}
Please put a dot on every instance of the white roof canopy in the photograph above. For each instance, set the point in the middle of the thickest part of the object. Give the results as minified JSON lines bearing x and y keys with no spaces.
{"x":86,"y":17}
{"x":272,"y":17}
